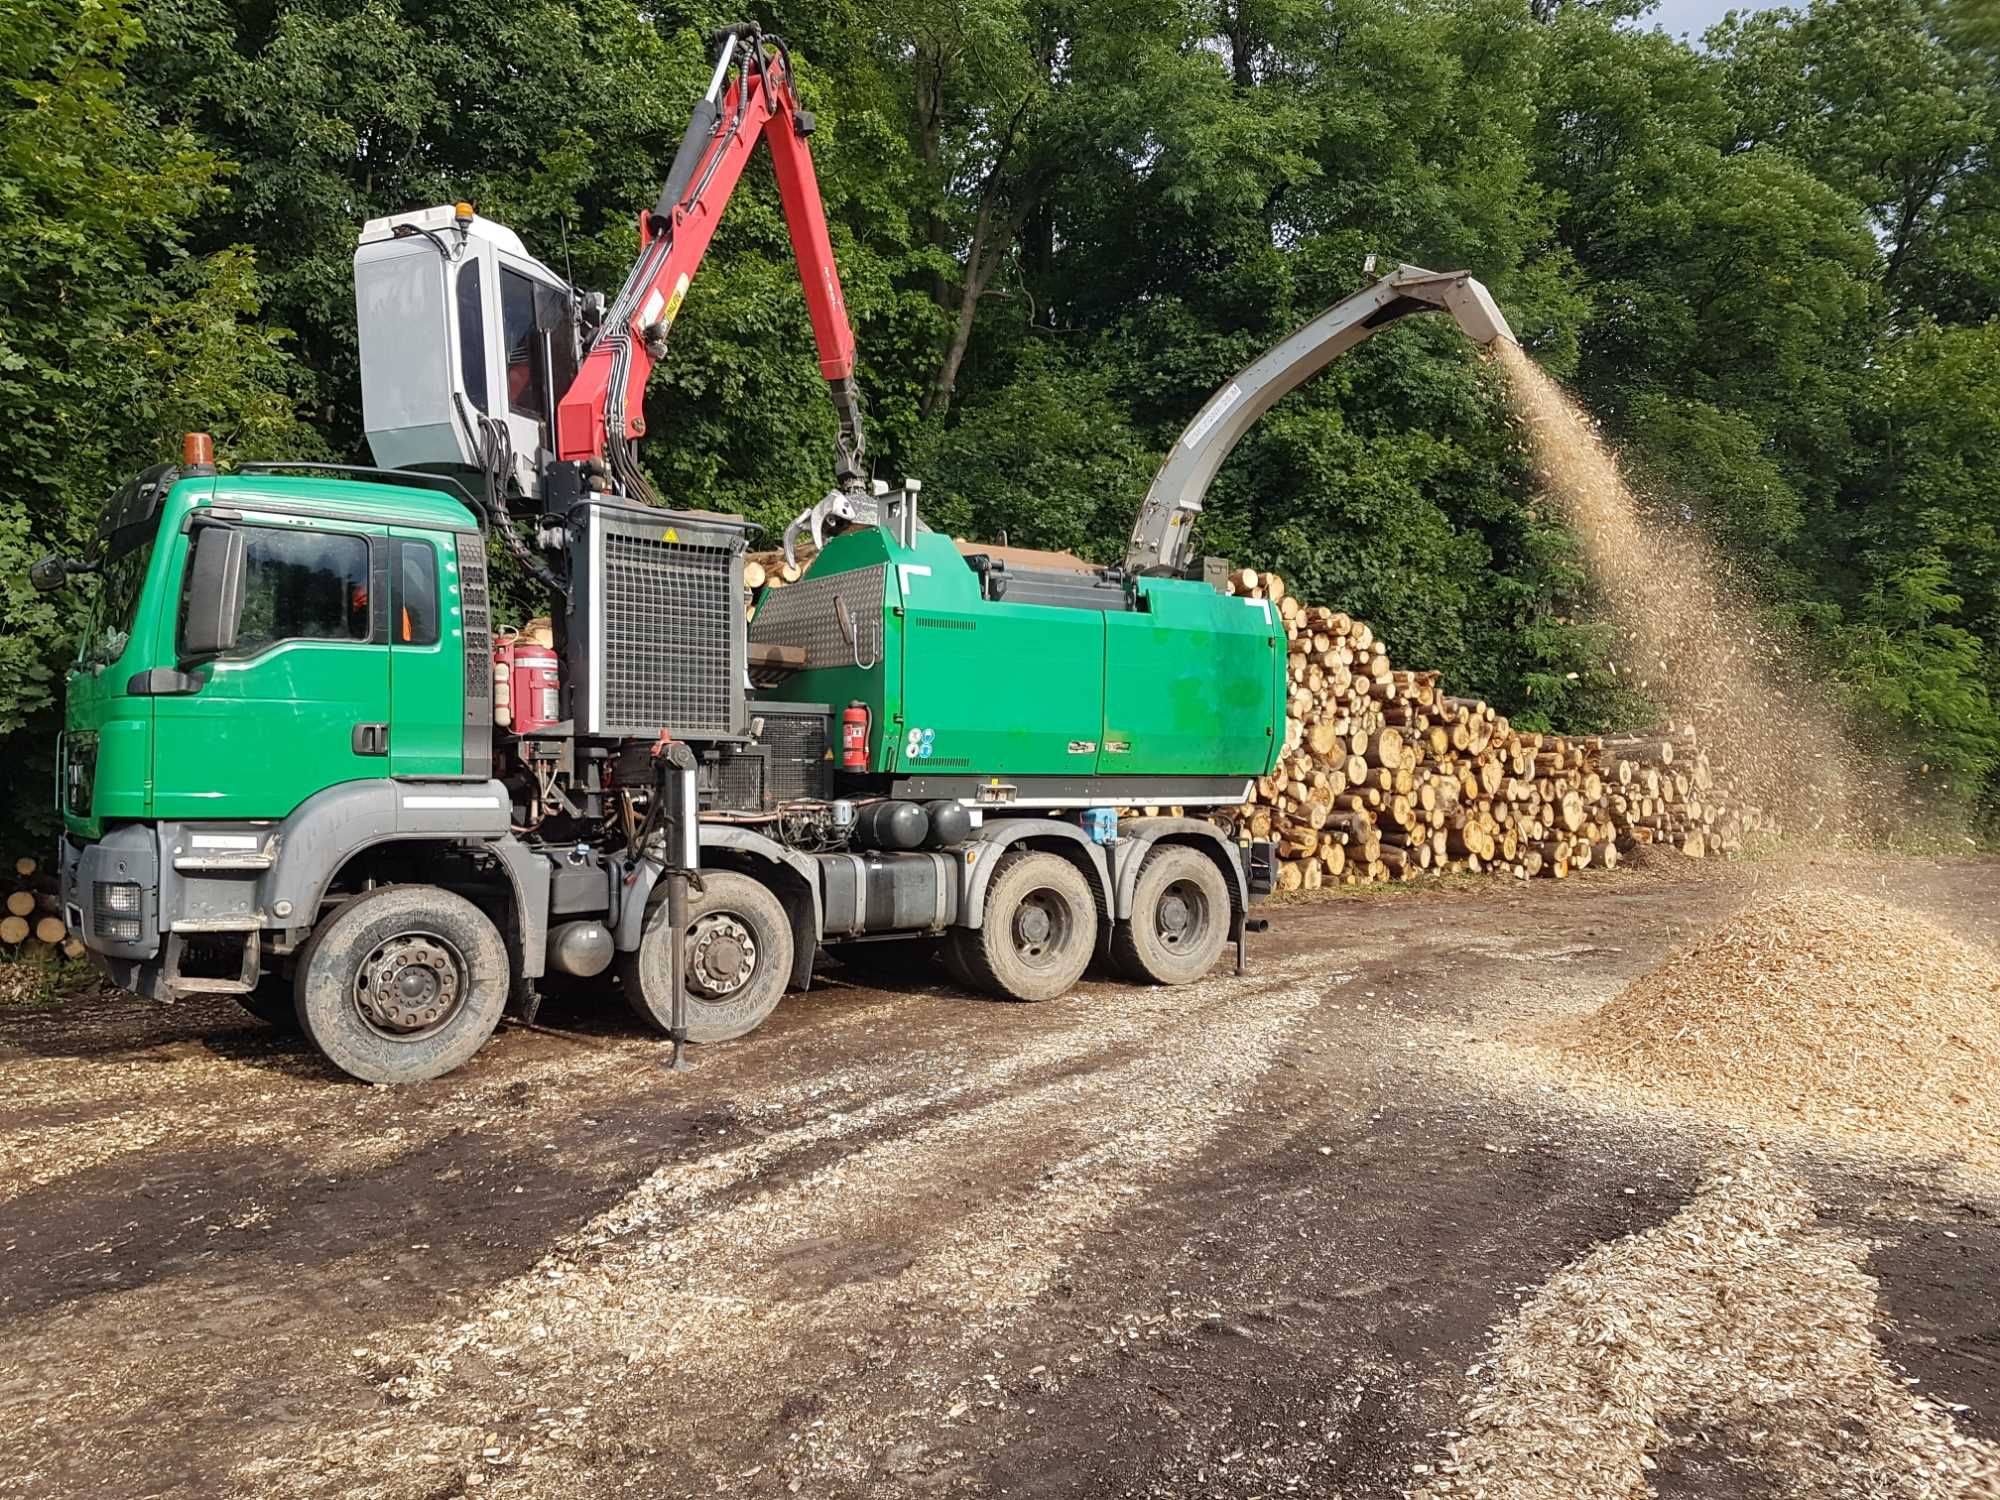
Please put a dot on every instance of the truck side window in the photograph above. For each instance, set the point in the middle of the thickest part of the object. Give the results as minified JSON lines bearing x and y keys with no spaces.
{"x":472,"y":335}
{"x":302,"y":585}
{"x":413,"y":602}
{"x":527,"y":360}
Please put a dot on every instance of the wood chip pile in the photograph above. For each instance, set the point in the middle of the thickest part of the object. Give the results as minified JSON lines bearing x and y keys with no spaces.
{"x":1386,"y":776}
{"x":1738,"y":1325}
{"x":1828,"y":1008}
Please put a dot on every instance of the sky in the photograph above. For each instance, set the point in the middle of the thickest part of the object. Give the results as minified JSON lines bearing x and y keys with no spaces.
{"x":1692,"y":17}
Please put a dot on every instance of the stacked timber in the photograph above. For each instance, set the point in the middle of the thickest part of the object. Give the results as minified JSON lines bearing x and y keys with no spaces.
{"x":768,"y":570}
{"x":32,"y":923}
{"x":1385,"y":776}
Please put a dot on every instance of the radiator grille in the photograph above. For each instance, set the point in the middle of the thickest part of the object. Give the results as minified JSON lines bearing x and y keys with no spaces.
{"x":739,"y":780}
{"x":660,"y":643}
{"x":797,"y":764}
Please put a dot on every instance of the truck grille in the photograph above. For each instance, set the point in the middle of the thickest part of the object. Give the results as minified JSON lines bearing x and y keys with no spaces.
{"x":738,"y":780}
{"x":656,"y":624}
{"x":788,"y":763}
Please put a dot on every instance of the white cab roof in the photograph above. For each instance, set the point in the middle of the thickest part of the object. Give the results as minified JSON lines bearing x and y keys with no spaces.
{"x":440,"y":220}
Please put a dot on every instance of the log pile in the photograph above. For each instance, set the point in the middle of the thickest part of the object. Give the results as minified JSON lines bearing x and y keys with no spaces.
{"x":31,"y":922}
{"x":768,"y":570}
{"x":1386,"y":776}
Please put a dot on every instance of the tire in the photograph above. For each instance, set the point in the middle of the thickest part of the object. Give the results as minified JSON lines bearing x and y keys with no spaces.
{"x":952,"y":951}
{"x":1039,"y":930}
{"x":735,"y":918}
{"x":458,"y":978}
{"x":274,"y":1002}
{"x":1180,"y":919}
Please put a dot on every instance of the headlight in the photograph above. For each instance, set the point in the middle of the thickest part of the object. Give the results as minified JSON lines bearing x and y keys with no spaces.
{"x":118,"y":904}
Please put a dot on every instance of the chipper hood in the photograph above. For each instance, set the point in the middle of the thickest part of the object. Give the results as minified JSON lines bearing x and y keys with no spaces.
{"x":1161,"y":535}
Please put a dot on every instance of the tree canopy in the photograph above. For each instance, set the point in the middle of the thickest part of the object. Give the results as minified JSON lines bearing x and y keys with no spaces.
{"x":1769,"y":264}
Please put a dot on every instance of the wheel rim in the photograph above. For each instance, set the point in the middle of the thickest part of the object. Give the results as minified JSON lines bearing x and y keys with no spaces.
{"x":1183,"y":917}
{"x":721,"y":956}
{"x":1041,"y":927}
{"x":411,"y":986}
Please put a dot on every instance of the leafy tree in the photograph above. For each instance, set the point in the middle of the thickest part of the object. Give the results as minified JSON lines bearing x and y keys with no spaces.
{"x":114,"y":335}
{"x":1770,"y":266}
{"x":1882,"y":102}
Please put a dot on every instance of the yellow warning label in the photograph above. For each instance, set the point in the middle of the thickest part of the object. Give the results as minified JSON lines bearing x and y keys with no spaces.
{"x":671,"y":536}
{"x":674,"y":302}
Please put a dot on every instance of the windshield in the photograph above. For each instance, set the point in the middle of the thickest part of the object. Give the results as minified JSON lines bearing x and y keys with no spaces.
{"x":122,"y":548}
{"x":118,"y":586}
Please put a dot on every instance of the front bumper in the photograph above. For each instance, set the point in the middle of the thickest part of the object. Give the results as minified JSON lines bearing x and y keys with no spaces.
{"x":125,"y":856}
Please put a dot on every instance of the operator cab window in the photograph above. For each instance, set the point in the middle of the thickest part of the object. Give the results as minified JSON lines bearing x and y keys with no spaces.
{"x":527,"y":355}
{"x":300,"y":586}
{"x":472,"y":335}
{"x":541,"y":356}
{"x":413,"y":604}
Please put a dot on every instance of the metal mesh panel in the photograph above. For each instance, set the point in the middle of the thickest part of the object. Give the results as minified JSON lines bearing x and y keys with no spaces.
{"x":661,"y":645}
{"x":805,"y":614}
{"x":476,"y":621}
{"x":798,"y":766}
{"x":739,"y":781}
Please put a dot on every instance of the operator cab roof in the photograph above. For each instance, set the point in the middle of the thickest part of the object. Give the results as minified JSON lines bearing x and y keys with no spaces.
{"x":439,"y":220}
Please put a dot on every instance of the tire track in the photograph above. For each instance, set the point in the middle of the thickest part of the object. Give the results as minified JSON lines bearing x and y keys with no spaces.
{"x":107,"y":1368}
{"x":682,"y":1290}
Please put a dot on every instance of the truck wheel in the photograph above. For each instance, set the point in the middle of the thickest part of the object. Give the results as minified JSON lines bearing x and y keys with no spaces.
{"x":738,"y":957}
{"x":1180,"y":919}
{"x":274,"y":1002}
{"x":1039,"y":930}
{"x":402,"y":983}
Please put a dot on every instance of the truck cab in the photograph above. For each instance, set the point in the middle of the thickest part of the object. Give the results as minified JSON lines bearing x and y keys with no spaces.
{"x":354,"y":618}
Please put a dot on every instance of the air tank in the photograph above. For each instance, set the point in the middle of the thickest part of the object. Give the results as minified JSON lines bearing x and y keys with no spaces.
{"x":950,"y":824}
{"x":891,"y":825}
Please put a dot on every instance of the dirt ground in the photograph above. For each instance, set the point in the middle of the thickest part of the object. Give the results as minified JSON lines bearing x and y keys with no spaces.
{"x":1252,"y":1238}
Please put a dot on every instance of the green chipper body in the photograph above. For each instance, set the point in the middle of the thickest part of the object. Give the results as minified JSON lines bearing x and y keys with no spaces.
{"x":1064,"y":689}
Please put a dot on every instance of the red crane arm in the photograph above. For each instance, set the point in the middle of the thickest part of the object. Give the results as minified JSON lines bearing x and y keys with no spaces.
{"x":603,"y":411}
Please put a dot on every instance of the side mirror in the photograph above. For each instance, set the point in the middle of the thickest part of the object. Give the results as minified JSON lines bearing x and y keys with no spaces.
{"x":48,"y":575}
{"x":214,"y":592}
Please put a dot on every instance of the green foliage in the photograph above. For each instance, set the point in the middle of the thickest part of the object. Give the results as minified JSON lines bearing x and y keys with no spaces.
{"x":1771,"y":266}
{"x":1049,"y":459}
{"x":117,"y":331}
{"x":1925,"y":677}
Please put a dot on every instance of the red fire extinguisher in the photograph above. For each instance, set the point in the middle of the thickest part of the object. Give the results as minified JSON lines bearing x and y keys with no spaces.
{"x":854,"y":737}
{"x":526,"y":687}
{"x":537,"y":688}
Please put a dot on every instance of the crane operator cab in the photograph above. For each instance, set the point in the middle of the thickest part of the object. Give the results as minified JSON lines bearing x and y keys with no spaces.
{"x":467,"y":342}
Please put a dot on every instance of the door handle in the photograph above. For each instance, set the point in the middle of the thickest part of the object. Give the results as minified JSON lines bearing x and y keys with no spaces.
{"x":371,"y":739}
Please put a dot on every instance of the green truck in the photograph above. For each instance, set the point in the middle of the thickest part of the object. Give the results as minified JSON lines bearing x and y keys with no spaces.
{"x":304,"y":765}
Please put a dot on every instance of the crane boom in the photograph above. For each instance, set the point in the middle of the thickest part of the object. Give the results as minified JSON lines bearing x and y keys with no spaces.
{"x":602,"y":413}
{"x":1163,"y":532}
